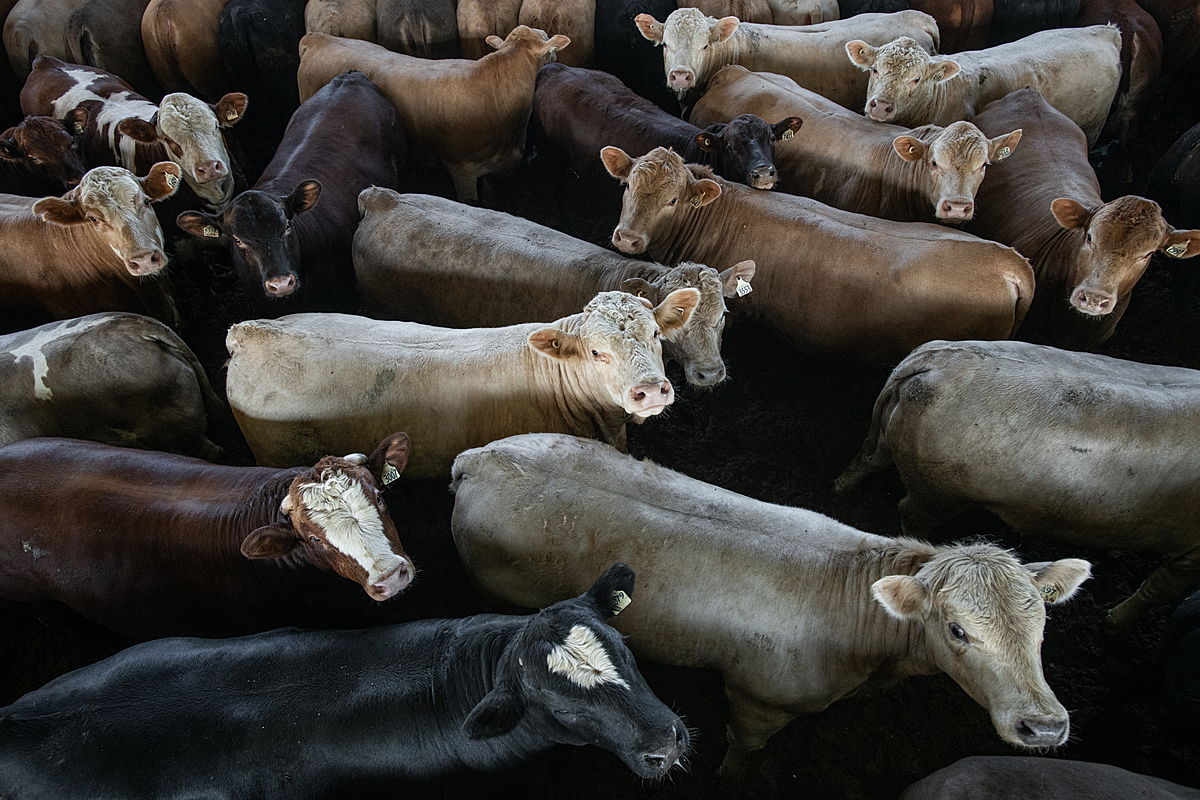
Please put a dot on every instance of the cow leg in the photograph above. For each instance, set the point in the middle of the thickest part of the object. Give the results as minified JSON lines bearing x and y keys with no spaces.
{"x":868,"y":461}
{"x":751,"y":723}
{"x":1165,"y":584}
{"x":918,"y":517}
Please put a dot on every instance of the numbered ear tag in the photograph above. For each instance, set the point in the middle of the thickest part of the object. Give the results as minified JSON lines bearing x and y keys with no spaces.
{"x":1176,"y":250}
{"x":788,"y":134}
{"x":211,"y":232}
{"x":231,"y":114}
{"x":743,"y":287}
{"x":172,"y":181}
{"x":78,"y":128}
{"x":1004,"y":153}
{"x":620,"y":600}
{"x":1050,"y":594}
{"x":695,"y":202}
{"x":390,"y":474}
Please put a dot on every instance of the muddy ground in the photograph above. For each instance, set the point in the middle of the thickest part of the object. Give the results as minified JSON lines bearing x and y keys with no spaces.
{"x":779,"y":429}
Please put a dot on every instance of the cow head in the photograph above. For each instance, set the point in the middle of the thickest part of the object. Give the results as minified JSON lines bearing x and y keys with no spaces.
{"x":659,"y":192}
{"x":534,"y":40}
{"x":46,"y":148}
{"x":258,"y":227}
{"x":953,"y":164}
{"x":697,"y":344}
{"x":690,"y":41}
{"x":334,"y":514}
{"x":570,"y":677}
{"x":982,"y":614}
{"x":116,"y":204}
{"x":1118,"y":240}
{"x":746,"y":146}
{"x":615,"y":349}
{"x":902,"y":81}
{"x":190,"y":130}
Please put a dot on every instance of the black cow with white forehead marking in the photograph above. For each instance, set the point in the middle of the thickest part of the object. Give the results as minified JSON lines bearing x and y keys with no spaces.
{"x":312,"y":714}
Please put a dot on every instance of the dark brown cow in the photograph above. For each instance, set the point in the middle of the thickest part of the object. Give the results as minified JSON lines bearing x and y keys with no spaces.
{"x":583,"y":110}
{"x":1179,"y":23}
{"x":153,"y":544}
{"x":107,"y":34}
{"x":962,"y":24}
{"x":94,"y":249}
{"x":180,"y":37}
{"x":575,"y":19}
{"x":126,"y":129}
{"x":1045,"y":202}
{"x":1141,"y":59}
{"x":1024,"y":777}
{"x":829,"y":280}
{"x":38,"y":158}
{"x":423,"y":28}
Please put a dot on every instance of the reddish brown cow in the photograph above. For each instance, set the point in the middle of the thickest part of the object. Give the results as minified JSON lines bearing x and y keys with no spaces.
{"x":1045,"y":201}
{"x":829,"y":280}
{"x":962,"y":24}
{"x":38,"y":158}
{"x":1141,"y":58}
{"x":153,"y":544}
{"x":180,"y":37}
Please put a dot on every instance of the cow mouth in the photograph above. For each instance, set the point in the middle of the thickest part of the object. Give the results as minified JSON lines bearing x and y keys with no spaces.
{"x":391,"y":584}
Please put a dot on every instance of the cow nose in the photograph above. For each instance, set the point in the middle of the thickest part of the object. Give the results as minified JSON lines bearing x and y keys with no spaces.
{"x":1043,"y":732}
{"x":706,"y":376}
{"x":681,"y":78}
{"x":627,"y":241}
{"x":652,"y":396}
{"x":147,"y":263}
{"x":957,"y":209}
{"x":281,"y":286}
{"x":880,"y":109}
{"x":762,"y":177}
{"x":1093,"y":301}
{"x":210,"y":171}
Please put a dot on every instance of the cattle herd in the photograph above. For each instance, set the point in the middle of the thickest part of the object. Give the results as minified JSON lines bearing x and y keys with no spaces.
{"x":367,"y":405}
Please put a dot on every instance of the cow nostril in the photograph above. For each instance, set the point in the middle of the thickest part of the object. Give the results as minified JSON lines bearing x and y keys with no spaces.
{"x":655,"y":761}
{"x":639,"y":396}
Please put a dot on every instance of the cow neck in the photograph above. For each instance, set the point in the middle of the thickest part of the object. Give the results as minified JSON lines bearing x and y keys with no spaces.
{"x":263,"y":509}
{"x":610,"y":275}
{"x":704,"y":235}
{"x":948,"y":101}
{"x":904,"y":187}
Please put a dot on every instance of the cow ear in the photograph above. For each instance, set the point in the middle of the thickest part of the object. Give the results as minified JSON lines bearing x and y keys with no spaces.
{"x":1070,"y":214}
{"x":909,"y":148}
{"x":197,"y":223}
{"x":270,"y":541}
{"x":63,"y":210}
{"x":230,"y":108}
{"x":724,"y":29}
{"x":139,"y":129}
{"x":1181,"y":244}
{"x":651,"y":28}
{"x":612,"y":591}
{"x":1001,"y":147}
{"x":390,"y":458}
{"x":676,"y":309}
{"x":497,"y":713}
{"x":302,"y":198}
{"x":495,"y":41}
{"x":902,"y":596}
{"x":557,"y":42}
{"x":1058,"y":581}
{"x":861,"y":53}
{"x":616,"y":161}
{"x":642,"y":288}
{"x":555,"y":343}
{"x":729,"y":278}
{"x":706,"y":191}
{"x":162,"y":180}
{"x":786,"y":128}
{"x":709,"y":140}
{"x":76,"y":121}
{"x":942,"y":70}
{"x":9,"y":150}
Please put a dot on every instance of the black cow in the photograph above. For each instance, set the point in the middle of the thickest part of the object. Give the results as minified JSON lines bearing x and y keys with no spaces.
{"x":1181,"y":642}
{"x":1025,"y":777}
{"x":582,"y":111}
{"x":38,"y":158}
{"x":621,"y":50}
{"x":315,"y":714}
{"x":1174,"y":184}
{"x":345,"y":138}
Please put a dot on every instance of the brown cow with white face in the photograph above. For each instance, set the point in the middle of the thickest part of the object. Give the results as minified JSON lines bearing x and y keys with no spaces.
{"x":927,"y":173}
{"x":90,"y":250}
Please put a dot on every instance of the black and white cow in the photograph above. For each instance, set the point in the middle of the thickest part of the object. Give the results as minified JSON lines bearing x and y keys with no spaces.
{"x":311,"y":714}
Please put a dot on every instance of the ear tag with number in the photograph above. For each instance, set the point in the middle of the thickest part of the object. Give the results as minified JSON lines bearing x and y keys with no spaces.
{"x":620,"y":600}
{"x":695,"y":202}
{"x":1177,"y":250}
{"x":743,"y":287}
{"x":788,"y":134}
{"x":211,"y":232}
{"x":390,"y":474}
{"x":231,"y":114}
{"x":78,"y":127}
{"x":1004,"y":153}
{"x":172,"y":181}
{"x":1049,"y":593}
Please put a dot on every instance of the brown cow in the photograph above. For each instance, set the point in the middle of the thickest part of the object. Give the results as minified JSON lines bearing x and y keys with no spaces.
{"x":1179,"y":23}
{"x":963,"y":24}
{"x":478,"y":20}
{"x":107,"y":34}
{"x":469,"y":115}
{"x":180,"y":37}
{"x":38,"y":158}
{"x":37,"y":26}
{"x":155,"y":544}
{"x":575,"y":19}
{"x":122,"y":127}
{"x":829,"y":280}
{"x":424,"y":28}
{"x":94,"y":249}
{"x":849,"y":162}
{"x":352,"y":19}
{"x":1085,"y":273}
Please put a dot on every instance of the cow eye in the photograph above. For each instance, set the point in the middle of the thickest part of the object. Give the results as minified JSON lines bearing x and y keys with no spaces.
{"x":146,"y":202}
{"x":957,"y":632}
{"x":35,"y":159}
{"x":933,"y":163}
{"x":92,"y":217}
{"x":874,"y":71}
{"x":315,"y":539}
{"x":595,"y":354}
{"x":237,"y":241}
{"x":1089,"y":238}
{"x":674,"y":200}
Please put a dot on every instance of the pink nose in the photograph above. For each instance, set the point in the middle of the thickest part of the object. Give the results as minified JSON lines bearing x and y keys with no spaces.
{"x":210,"y":171}
{"x":1093,"y":301}
{"x":957,"y":209}
{"x":681,"y":78}
{"x":147,"y":263}
{"x":880,"y":109}
{"x":281,"y":286}
{"x":628,"y":242}
{"x":650,"y":396}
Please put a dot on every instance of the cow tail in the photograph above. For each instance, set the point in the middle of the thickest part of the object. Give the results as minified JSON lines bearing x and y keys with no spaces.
{"x":1023,"y":285}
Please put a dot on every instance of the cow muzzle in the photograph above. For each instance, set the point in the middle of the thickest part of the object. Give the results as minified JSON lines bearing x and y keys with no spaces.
{"x":705,"y":375}
{"x":956,"y":210}
{"x":681,"y":78}
{"x":647,"y":399}
{"x":762,"y":177}
{"x":147,"y":262}
{"x":392,"y":584}
{"x":627,"y":241}
{"x":1041,"y":731}
{"x":881,"y":110}
{"x":210,"y":171}
{"x":656,"y":762}
{"x":1093,"y":302}
{"x":281,"y":286}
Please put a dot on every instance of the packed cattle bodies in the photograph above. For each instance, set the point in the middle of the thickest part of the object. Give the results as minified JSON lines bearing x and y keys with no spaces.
{"x":318,"y":714}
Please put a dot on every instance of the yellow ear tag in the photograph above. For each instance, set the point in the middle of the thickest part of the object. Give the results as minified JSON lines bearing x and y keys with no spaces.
{"x":78,"y":128}
{"x":553,"y":50}
{"x":1049,"y":594}
{"x":1176,"y":250}
{"x":390,"y":474}
{"x":172,"y":181}
{"x":695,"y":202}
{"x":620,"y":600}
{"x":211,"y":232}
{"x":743,"y":287}
{"x":1004,"y":153}
{"x":231,"y":114}
{"x":788,"y":134}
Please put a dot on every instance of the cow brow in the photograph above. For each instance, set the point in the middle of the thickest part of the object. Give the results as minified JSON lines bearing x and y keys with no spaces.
{"x":581,"y":657}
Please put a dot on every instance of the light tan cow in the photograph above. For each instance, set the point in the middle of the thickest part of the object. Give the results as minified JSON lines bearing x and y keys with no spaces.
{"x":1093,"y":450}
{"x":803,"y":12}
{"x":846,"y":161}
{"x":1077,"y":70}
{"x":469,"y":115}
{"x":795,"y":609}
{"x":300,"y":382}
{"x":757,"y":11}
{"x":575,"y":19}
{"x":696,"y":46}
{"x":180,"y":37}
{"x":828,"y":280}
{"x":352,"y":19}
{"x":480,"y":19}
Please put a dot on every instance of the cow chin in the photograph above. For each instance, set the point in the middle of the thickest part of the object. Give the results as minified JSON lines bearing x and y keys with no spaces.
{"x":217,"y":193}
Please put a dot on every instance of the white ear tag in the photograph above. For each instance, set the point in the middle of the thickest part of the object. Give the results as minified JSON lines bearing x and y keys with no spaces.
{"x":620,"y":599}
{"x":1049,"y":593}
{"x":390,"y":474}
{"x":172,"y":181}
{"x":1176,"y":250}
{"x":231,"y":114}
{"x":788,"y":134}
{"x":1004,"y":153}
{"x":78,"y":128}
{"x":211,"y":232}
{"x":743,"y":287}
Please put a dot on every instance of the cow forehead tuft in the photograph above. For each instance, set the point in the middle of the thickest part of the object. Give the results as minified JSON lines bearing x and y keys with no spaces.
{"x":689,"y":275}
{"x":986,"y":582}
{"x":180,"y":114}
{"x":660,"y":170}
{"x":104,"y":186}
{"x":959,"y":142}
{"x":900,"y":55}
{"x":583,"y":659}
{"x":686,"y":24}
{"x":618,"y":308}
